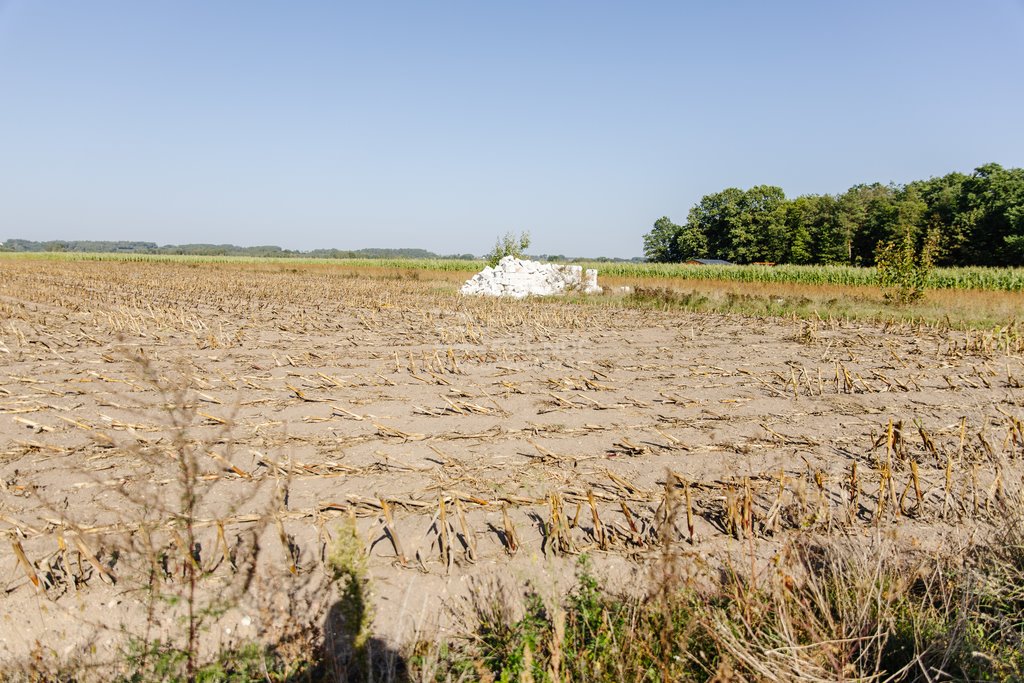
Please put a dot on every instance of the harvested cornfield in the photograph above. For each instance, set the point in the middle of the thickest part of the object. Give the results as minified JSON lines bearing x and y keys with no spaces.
{"x":205,"y":453}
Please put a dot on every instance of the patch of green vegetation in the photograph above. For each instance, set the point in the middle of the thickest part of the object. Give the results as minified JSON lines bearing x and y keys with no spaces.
{"x":248,"y":662}
{"x":509,"y":245}
{"x":593,"y":635}
{"x":347,"y":632}
{"x":847,"y":618}
{"x":904,"y":270}
{"x":980,"y":316}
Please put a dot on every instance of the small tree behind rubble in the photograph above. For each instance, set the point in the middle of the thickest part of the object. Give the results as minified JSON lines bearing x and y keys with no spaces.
{"x":509,"y":245}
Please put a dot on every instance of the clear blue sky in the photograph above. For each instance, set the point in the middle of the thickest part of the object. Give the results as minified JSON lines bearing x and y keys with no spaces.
{"x":440,"y":125}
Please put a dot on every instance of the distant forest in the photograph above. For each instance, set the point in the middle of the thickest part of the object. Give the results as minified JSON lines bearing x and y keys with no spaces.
{"x":975,"y":220}
{"x":127,"y":247}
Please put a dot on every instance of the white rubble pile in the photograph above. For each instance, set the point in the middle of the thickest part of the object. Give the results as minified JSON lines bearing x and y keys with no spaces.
{"x":518,"y":279}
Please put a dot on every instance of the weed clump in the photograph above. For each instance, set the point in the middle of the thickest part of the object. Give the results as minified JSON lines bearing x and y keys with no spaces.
{"x":904,"y":269}
{"x":826,"y":612}
{"x":509,"y":245}
{"x":347,"y":629}
{"x":594,"y":634}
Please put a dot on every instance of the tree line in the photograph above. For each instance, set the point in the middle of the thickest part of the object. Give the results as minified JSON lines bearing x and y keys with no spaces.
{"x":974,"y":219}
{"x":265,"y":251}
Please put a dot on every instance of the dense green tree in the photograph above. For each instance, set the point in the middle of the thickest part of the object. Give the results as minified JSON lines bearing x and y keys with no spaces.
{"x":878,"y":214}
{"x":816,"y":232}
{"x":942,"y":197}
{"x":739,"y":225}
{"x":691,"y":243}
{"x":870,"y":216}
{"x":990,"y":218}
{"x":758,"y":232}
{"x":660,"y":242}
{"x":714,"y":216}
{"x":975,"y":219}
{"x":669,"y":243}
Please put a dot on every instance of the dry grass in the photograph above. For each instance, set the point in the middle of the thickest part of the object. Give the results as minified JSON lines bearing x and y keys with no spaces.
{"x":944,"y":307}
{"x":826,"y":610}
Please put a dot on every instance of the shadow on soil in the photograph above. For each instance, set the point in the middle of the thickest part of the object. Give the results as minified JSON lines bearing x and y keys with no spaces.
{"x":347,"y":656}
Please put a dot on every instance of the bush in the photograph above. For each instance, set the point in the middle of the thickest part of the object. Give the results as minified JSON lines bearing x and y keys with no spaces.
{"x":903,"y":269}
{"x":509,"y":245}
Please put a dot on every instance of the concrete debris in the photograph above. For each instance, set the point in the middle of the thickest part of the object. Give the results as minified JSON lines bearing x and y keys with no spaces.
{"x":518,"y":279}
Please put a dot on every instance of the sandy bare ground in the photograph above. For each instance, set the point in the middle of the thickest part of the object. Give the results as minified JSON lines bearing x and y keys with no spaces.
{"x":538,"y":430}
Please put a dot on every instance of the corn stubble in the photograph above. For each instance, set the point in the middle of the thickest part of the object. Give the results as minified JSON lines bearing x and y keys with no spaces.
{"x":535,"y":432}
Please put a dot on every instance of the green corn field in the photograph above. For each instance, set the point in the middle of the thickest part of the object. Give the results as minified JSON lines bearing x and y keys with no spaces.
{"x":991,"y":279}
